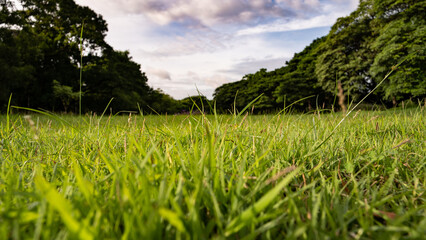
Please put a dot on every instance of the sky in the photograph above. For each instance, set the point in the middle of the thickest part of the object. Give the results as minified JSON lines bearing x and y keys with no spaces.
{"x":187,"y":47}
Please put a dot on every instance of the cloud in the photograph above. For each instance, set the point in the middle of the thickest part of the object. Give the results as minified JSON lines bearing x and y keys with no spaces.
{"x":216,"y":80}
{"x":159,"y":73}
{"x":190,"y":43}
{"x":322,"y":14}
{"x":292,"y":25}
{"x":196,"y":13}
{"x":300,"y":4}
{"x":212,"y":81}
{"x":251,"y":65}
{"x":181,"y":44}
{"x":191,"y":84}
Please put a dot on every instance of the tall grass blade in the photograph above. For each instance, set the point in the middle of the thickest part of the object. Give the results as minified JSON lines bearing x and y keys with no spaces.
{"x":106,"y":108}
{"x":60,"y":204}
{"x":8,"y":114}
{"x":250,"y":213}
{"x":173,"y":219}
{"x":81,"y":66}
{"x":249,"y":105}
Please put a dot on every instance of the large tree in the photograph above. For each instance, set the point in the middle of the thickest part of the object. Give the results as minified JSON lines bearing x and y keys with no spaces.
{"x":346,"y":56}
{"x":115,"y":75}
{"x":41,"y":45}
{"x":400,"y":27}
{"x":363,"y":47}
{"x":277,"y":88}
{"x":300,"y":81}
{"x":45,"y":39}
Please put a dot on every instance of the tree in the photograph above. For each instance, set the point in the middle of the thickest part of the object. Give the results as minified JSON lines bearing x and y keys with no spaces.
{"x":115,"y":75}
{"x":40,"y":60}
{"x":401,"y":30}
{"x":228,"y":97}
{"x":44,"y":36}
{"x":196,"y":103}
{"x":346,"y":55}
{"x":300,"y":81}
{"x":16,"y":74}
{"x":281,"y":86}
{"x":349,"y":62}
{"x":64,"y":93}
{"x":161,"y":103}
{"x":15,"y":48}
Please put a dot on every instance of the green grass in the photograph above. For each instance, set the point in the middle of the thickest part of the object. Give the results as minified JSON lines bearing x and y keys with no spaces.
{"x":203,"y":177}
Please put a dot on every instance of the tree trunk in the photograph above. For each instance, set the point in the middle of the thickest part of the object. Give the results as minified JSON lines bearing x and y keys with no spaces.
{"x":342,"y":97}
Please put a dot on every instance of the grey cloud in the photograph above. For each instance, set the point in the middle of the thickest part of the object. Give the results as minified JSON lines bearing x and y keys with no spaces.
{"x":160,"y":73}
{"x":249,"y":65}
{"x":157,"y":6}
{"x":210,"y":12}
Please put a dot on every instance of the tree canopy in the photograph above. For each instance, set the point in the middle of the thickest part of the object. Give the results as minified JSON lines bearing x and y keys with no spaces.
{"x":40,"y":53}
{"x":356,"y":54}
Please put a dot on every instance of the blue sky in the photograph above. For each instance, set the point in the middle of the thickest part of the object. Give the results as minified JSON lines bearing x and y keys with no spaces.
{"x":185,"y":45}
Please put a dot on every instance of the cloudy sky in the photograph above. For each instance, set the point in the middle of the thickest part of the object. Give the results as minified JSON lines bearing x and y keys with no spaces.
{"x":185,"y":45}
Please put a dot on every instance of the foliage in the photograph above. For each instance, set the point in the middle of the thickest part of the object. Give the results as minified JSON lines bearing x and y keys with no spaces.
{"x":277,"y":88}
{"x":162,"y":103}
{"x":196,"y":104}
{"x":64,"y":93}
{"x":300,"y":80}
{"x":16,"y":72}
{"x":401,"y":29}
{"x":346,"y":56}
{"x":358,"y":52}
{"x":114,"y":75}
{"x":39,"y":44}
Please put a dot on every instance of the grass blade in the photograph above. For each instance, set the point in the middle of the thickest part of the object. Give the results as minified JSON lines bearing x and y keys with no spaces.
{"x":250,"y":213}
{"x":60,"y":204}
{"x":173,"y":219}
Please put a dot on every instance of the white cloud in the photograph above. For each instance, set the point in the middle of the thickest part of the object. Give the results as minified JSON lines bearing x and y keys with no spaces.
{"x":292,"y":25}
{"x":216,"y":80}
{"x":190,"y":43}
{"x":187,"y":44}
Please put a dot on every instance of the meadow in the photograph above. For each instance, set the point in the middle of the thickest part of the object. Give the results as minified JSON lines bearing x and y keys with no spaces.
{"x":292,"y":176}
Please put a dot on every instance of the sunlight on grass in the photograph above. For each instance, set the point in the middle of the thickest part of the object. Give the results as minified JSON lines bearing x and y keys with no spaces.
{"x":240,"y":177}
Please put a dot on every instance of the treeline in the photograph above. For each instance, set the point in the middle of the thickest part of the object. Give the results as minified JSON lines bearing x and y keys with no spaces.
{"x":42,"y":44}
{"x":348,"y":63}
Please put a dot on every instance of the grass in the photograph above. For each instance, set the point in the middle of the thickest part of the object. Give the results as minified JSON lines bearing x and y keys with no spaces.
{"x":204,"y":177}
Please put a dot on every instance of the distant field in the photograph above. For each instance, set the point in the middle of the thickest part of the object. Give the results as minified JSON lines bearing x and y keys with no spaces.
{"x":236,"y":177}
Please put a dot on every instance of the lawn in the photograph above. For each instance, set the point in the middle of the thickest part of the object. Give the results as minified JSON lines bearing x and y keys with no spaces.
{"x":202,"y":177}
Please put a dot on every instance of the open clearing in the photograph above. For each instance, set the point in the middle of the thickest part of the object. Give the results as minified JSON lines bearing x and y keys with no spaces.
{"x":201,"y":177}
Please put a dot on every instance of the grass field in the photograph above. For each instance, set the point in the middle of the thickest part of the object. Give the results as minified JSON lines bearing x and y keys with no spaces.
{"x":204,"y":177}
